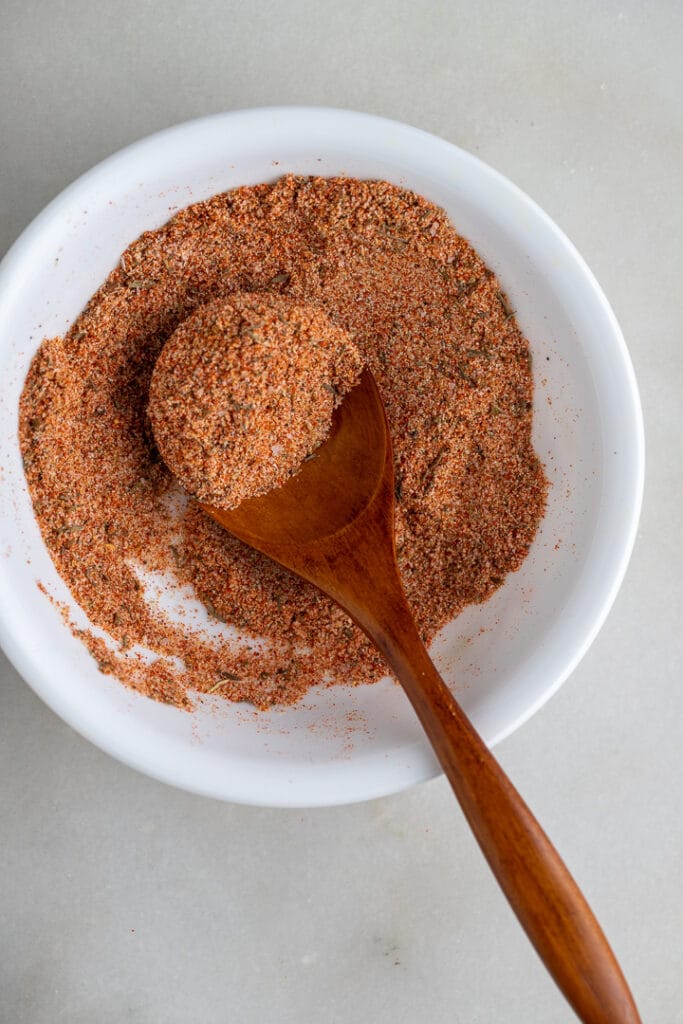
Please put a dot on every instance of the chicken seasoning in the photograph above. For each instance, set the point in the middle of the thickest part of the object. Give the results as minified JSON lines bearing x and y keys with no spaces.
{"x":429,"y":319}
{"x":244,"y":391}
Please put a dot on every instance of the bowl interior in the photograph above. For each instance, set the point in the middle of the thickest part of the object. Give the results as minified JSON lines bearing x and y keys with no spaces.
{"x":503,"y":658}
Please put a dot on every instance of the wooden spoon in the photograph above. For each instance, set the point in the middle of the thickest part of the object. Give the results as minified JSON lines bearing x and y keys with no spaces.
{"x":333,"y":524}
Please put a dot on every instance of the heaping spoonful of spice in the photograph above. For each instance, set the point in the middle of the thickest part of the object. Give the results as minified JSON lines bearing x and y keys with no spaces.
{"x":247,"y":410}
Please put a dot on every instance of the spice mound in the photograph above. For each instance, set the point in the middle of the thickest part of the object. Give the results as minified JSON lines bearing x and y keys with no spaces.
{"x":170,"y":603}
{"x":243,"y":391}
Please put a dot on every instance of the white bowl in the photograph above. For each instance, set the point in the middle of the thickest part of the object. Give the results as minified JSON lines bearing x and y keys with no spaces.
{"x":504,"y":658}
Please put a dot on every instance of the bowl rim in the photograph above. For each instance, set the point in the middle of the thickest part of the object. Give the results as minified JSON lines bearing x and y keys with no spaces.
{"x":11,"y":265}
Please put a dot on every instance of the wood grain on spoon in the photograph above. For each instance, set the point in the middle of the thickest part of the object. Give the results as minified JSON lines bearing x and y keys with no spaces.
{"x":332,"y":524}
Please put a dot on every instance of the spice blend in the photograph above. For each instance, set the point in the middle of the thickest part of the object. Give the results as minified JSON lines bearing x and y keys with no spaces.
{"x":244,"y":391}
{"x":430,"y":321}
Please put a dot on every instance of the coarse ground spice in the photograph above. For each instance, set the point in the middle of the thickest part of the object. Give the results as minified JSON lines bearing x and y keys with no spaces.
{"x":454,"y":371}
{"x":243,"y":391}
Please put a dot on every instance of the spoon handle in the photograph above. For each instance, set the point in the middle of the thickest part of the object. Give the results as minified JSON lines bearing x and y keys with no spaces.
{"x":544,"y":896}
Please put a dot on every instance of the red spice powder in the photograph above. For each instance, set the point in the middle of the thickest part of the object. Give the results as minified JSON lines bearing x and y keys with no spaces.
{"x":429,"y":319}
{"x":244,"y":391}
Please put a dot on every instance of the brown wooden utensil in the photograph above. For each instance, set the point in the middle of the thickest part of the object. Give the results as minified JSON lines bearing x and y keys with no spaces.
{"x":333,"y":524}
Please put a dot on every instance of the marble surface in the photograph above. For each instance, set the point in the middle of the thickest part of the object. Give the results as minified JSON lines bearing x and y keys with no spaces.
{"x":124,"y":900}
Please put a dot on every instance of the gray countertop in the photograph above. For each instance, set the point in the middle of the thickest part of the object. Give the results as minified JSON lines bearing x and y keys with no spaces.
{"x":124,"y":900}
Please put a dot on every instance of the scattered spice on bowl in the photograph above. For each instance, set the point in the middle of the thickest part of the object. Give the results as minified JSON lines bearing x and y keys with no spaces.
{"x":430,"y":320}
{"x":244,"y":390}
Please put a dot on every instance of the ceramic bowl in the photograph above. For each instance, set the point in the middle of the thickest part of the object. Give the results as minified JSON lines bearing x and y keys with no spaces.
{"x":504,"y":658}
